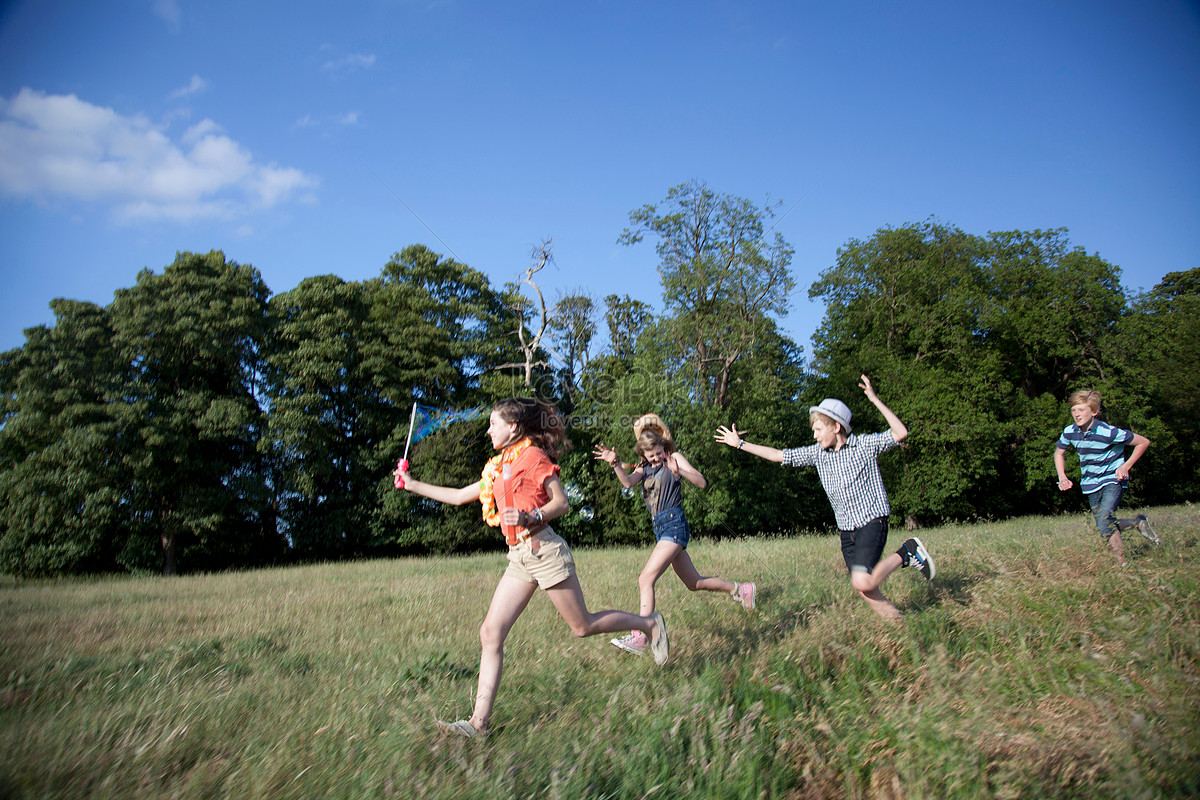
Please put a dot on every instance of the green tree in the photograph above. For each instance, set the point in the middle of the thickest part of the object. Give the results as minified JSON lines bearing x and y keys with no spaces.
{"x":744,"y":496}
{"x":61,"y":476}
{"x":722,"y":277}
{"x":902,"y":307}
{"x":188,"y":341}
{"x":572,"y":329}
{"x":1155,"y":386}
{"x":441,"y":321}
{"x":972,"y":341}
{"x":1053,"y":306}
{"x":626,"y":318}
{"x":445,"y":329}
{"x":329,"y":416}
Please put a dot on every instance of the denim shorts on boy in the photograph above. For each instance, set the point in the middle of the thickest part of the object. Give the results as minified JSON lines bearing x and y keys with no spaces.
{"x":550,"y":566}
{"x":863,"y":547}
{"x":1104,"y":504}
{"x":671,"y":526}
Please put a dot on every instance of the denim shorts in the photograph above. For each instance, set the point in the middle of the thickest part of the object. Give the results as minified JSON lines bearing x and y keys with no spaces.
{"x":671,"y":526}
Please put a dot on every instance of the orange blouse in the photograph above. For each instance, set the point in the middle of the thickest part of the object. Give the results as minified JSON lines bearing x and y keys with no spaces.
{"x":522,"y":485}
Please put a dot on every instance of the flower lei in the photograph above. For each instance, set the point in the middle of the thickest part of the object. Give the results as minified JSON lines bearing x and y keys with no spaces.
{"x":487,"y":497}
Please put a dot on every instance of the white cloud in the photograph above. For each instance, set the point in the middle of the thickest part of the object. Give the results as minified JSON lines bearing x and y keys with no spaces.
{"x":197,"y":84}
{"x":350,"y":63}
{"x":60,"y":147}
{"x":309,"y":121}
{"x":201,"y":129}
{"x":169,"y":12}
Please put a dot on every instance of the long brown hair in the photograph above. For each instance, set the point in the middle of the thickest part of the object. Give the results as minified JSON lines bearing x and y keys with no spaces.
{"x":538,"y":420}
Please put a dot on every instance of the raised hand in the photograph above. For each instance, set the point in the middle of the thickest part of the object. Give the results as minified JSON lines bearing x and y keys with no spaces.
{"x":730,"y":436}
{"x":604,"y":453}
{"x":865,"y":385}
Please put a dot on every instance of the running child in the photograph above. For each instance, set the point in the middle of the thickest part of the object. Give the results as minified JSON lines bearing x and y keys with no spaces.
{"x":521,"y":493}
{"x":1103,"y":469}
{"x":849,"y":471}
{"x":660,"y":472}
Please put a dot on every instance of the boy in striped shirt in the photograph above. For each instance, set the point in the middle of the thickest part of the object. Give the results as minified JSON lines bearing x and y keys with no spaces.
{"x":1103,"y":468}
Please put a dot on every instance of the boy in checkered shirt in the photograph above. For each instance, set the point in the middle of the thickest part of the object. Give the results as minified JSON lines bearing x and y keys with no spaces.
{"x":849,"y":472}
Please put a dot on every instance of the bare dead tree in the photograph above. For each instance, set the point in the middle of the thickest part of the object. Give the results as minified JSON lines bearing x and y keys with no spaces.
{"x":541,"y":255}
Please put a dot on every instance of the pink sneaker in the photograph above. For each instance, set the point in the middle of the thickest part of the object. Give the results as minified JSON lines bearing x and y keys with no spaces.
{"x":633,"y":642}
{"x":745,"y":595}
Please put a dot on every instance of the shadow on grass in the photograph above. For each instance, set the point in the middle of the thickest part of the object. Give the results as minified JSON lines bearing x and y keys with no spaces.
{"x":956,"y":588}
{"x":437,"y":668}
{"x":730,"y":639}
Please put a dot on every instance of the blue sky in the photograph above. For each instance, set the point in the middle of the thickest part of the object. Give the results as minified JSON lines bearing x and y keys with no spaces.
{"x":297,"y":136}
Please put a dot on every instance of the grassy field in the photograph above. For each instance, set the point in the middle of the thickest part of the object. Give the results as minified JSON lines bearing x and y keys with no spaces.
{"x":1032,"y":667}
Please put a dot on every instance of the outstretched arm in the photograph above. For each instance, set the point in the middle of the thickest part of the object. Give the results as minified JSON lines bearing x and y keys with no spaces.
{"x":899,"y":430}
{"x":684,"y":469}
{"x":604,"y":453}
{"x":442,"y":494}
{"x":733,"y":437}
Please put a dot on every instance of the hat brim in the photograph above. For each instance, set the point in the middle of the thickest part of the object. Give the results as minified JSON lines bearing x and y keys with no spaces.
{"x":825,"y":413}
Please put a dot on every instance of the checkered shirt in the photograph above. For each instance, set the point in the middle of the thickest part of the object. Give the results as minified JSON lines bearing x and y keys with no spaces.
{"x":850,"y":476}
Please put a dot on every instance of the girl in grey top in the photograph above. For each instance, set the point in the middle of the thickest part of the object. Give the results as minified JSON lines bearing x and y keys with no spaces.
{"x":661,"y":472}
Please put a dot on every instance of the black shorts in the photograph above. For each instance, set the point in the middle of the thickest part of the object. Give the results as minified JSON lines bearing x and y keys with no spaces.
{"x":863,"y":547}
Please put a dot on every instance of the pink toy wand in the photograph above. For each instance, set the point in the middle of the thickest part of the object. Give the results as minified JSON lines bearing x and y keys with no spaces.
{"x":402,"y":466}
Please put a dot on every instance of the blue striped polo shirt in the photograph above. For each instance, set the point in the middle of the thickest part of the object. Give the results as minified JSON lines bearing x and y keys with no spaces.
{"x":1101,"y":450}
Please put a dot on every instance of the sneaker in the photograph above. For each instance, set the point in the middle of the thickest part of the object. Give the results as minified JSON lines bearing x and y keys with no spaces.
{"x":919,"y":557}
{"x":744,"y":594}
{"x":634,"y":642}
{"x":660,"y":648}
{"x":463,"y":728}
{"x":1143,"y":526}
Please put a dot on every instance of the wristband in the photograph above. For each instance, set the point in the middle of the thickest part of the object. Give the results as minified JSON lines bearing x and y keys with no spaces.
{"x":740,"y":443}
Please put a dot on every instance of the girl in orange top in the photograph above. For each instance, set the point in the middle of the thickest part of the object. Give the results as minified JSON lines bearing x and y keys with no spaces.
{"x":521,"y":492}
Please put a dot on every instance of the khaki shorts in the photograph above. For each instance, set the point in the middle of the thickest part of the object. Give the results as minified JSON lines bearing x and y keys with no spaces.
{"x":549,"y":566}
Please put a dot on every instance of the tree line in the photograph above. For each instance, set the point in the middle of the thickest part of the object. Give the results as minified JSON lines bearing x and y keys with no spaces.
{"x":200,"y":422}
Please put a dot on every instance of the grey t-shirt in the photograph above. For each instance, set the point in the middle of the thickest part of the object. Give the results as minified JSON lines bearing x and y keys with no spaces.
{"x":661,"y":489}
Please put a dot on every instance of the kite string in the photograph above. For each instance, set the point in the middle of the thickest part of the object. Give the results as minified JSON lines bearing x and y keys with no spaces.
{"x":417,"y":218}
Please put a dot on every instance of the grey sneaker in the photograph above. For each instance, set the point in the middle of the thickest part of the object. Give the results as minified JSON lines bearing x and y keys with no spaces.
{"x":1143,"y":526}
{"x":920,"y":558}
{"x":633,"y":642}
{"x":463,"y":728}
{"x":660,"y":648}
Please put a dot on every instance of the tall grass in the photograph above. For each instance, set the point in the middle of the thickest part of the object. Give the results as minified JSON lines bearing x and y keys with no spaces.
{"x":1032,"y":667}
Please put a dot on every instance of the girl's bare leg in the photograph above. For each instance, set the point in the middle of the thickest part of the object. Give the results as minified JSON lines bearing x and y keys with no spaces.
{"x":567,"y":597}
{"x":694,"y":581}
{"x":662,"y":556}
{"x":508,"y":601}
